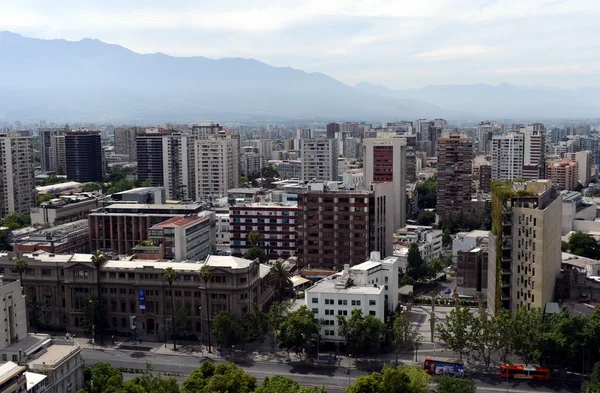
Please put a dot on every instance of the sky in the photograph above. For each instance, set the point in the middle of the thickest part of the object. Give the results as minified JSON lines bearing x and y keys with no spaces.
{"x":399,"y":44}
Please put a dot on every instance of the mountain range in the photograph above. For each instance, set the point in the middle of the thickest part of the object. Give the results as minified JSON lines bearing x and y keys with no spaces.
{"x":89,"y":80}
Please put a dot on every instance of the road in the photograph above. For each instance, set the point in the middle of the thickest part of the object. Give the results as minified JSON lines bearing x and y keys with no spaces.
{"x":335,"y":379}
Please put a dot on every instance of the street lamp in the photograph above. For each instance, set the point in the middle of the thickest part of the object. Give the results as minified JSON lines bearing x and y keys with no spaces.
{"x":92,"y":311}
{"x":200,"y":335}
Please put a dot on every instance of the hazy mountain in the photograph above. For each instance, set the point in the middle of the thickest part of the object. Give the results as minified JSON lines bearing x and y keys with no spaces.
{"x":503,"y":101}
{"x":92,"y":80}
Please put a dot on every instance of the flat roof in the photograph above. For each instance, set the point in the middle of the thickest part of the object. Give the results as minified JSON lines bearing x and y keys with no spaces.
{"x":141,"y":206}
{"x":228,"y":261}
{"x":138,"y":190}
{"x":54,"y":354}
{"x":180,"y":222}
{"x":9,"y":370}
{"x":33,"y":379}
{"x":327,"y":285}
{"x":59,"y":186}
{"x":25,"y":344}
{"x":366,"y":265}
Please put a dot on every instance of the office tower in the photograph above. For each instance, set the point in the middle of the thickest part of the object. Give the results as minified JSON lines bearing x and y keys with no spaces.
{"x":485,"y":178}
{"x":411,"y":158}
{"x":319,"y":159}
{"x":485,"y":131}
{"x":585,"y":163}
{"x":251,"y":161}
{"x":218,"y":165}
{"x":206,"y":129}
{"x":564,"y":173}
{"x":353,"y":127}
{"x":265,"y":149}
{"x":352,"y":148}
{"x":58,"y":155}
{"x":338,"y":227}
{"x":534,"y":151}
{"x":179,"y":166}
{"x":84,"y":156}
{"x":385,"y":161}
{"x":126,"y":141}
{"x":472,"y":269}
{"x":507,"y":156}
{"x":17,"y":180}
{"x":401,"y":127}
{"x":45,"y":135}
{"x":149,"y":153}
{"x":304,"y":133}
{"x":524,"y":254}
{"x":455,"y":168}
{"x":428,"y":132}
{"x":332,"y":129}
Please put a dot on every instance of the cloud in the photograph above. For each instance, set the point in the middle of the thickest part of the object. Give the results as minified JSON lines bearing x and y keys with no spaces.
{"x":453,"y":52}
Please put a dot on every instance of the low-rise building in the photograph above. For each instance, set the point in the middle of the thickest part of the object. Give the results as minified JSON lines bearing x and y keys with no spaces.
{"x":62,"y":239}
{"x":67,"y":208}
{"x":369,"y":286}
{"x":68,"y":187}
{"x":428,"y":239}
{"x":12,"y":378}
{"x":222,"y":235}
{"x":464,"y":241}
{"x":142,"y":195}
{"x":471,"y":269}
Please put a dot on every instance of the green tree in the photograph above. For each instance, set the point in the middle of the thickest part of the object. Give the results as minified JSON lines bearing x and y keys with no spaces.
{"x":91,"y":187}
{"x":16,"y":220}
{"x":255,"y":325}
{"x":445,"y":384}
{"x":226,"y":329}
{"x":503,"y":324}
{"x":197,"y":380}
{"x":170,"y":275}
{"x":33,"y":311}
{"x":416,"y":264}
{"x":39,"y":199}
{"x":405,"y":336}
{"x":205,"y":275}
{"x":526,"y":334}
{"x":426,"y":217}
{"x":95,"y":314}
{"x":103,"y":378}
{"x":485,"y":339}
{"x":372,"y":383}
{"x":98,"y":260}
{"x":4,"y":244}
{"x":298,"y":330}
{"x":229,"y":378}
{"x":592,"y":385}
{"x":584,"y":245}
{"x":53,"y":179}
{"x":592,"y":333}
{"x":278,"y":384}
{"x":446,"y":238}
{"x":427,"y":191}
{"x":276,"y":316}
{"x":254,"y":253}
{"x":181,"y":319}
{"x":21,"y":267}
{"x":401,"y":379}
{"x":149,"y":381}
{"x":562,"y":338}
{"x":254,"y":237}
{"x":281,"y":279}
{"x":455,"y":331}
{"x":360,"y":332}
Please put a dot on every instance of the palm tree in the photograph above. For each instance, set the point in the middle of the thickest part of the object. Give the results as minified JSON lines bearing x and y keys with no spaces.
{"x":280,"y":277}
{"x":20,"y":267}
{"x":205,"y":275}
{"x":254,"y":237}
{"x":170,"y":275}
{"x":98,"y":260}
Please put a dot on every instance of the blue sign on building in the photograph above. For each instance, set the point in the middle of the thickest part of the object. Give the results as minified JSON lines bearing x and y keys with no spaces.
{"x":142,"y":297}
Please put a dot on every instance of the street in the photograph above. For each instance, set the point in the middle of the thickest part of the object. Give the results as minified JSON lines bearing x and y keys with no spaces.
{"x":335,"y":379}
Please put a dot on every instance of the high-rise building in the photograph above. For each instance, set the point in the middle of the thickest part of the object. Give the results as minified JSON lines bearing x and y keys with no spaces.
{"x":353,"y":127}
{"x":319,"y":159}
{"x":45,"y":136}
{"x":149,"y":153}
{"x":485,"y":178}
{"x":385,"y":161}
{"x":338,"y":227}
{"x":585,"y":163}
{"x":507,"y":156}
{"x":332,"y":129}
{"x":251,"y":161}
{"x":205,"y":129}
{"x":218,"y":165}
{"x":84,"y":156}
{"x":411,"y":158}
{"x":17,"y":180}
{"x":534,"y":151}
{"x":564,"y":173}
{"x":304,"y":133}
{"x":126,"y":141}
{"x":485,"y":131}
{"x":455,"y":169}
{"x":524,"y":254}
{"x":58,"y":155}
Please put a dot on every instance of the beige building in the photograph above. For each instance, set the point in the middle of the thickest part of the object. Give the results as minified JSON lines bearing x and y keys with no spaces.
{"x":564,"y":173}
{"x":217,"y":164}
{"x":58,"y":154}
{"x":17,"y":180}
{"x":319,"y":159}
{"x":63,"y":283}
{"x":525,"y":249}
{"x":585,"y":165}
{"x":14,"y":314}
{"x":125,"y":141}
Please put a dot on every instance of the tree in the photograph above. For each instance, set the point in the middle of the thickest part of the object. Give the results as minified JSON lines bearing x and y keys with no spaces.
{"x":230,"y":378}
{"x":181,"y":319}
{"x":298,"y":330}
{"x":405,"y":335}
{"x":427,"y":193}
{"x":16,"y":220}
{"x":426,"y":217}
{"x":254,"y":253}
{"x":446,"y":384}
{"x":360,"y":332}
{"x":416,"y":264}
{"x":4,"y":244}
{"x":503,"y":324}
{"x":39,"y":199}
{"x":592,"y":385}
{"x":278,"y":384}
{"x":276,"y":316}
{"x":33,"y":311}
{"x":95,"y":315}
{"x":98,"y":260}
{"x":226,"y":329}
{"x":455,"y":331}
{"x":53,"y":179}
{"x":150,"y":382}
{"x":526,"y":325}
{"x":170,"y":275}
{"x":401,"y":379}
{"x":584,"y":245}
{"x":91,"y":187}
{"x":485,"y":337}
{"x":20,"y":267}
{"x":103,"y":378}
{"x":205,"y":275}
{"x":280,"y":279}
{"x":254,"y":237}
{"x":592,"y":333}
{"x":562,"y":338}
{"x":446,"y":238}
{"x":255,"y":324}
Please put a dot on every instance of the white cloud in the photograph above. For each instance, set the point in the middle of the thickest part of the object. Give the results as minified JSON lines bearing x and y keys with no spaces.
{"x":453,"y":52}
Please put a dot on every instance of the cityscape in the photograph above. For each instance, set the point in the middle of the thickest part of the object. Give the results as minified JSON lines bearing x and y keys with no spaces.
{"x":235,"y":227}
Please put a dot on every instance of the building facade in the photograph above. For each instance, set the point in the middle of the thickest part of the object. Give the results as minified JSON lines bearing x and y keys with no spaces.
{"x":585,"y":164}
{"x":126,"y":141}
{"x":46,"y":135}
{"x":67,"y":238}
{"x":507,"y":156}
{"x":17,"y":180}
{"x":67,"y":208}
{"x":564,"y":173}
{"x":319,"y":159}
{"x":84,"y":156}
{"x":58,"y":154}
{"x":455,"y":170}
{"x":218,"y":165}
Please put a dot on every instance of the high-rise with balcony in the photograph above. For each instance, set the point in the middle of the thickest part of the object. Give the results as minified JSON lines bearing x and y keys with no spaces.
{"x":17,"y":181}
{"x":205,"y":129}
{"x":332,"y":129}
{"x":84,"y":156}
{"x":125,"y":141}
{"x":524,"y":254}
{"x":319,"y":159}
{"x":58,"y":154}
{"x":217,"y":164}
{"x":455,"y":168}
{"x":45,"y":137}
{"x":563,"y":173}
{"x":385,"y":161}
{"x":534,"y":151}
{"x":485,"y":132}
{"x":507,"y":156}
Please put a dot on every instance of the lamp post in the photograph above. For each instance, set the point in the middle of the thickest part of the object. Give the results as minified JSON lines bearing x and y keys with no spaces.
{"x":200,"y":335}
{"x":92,"y":311}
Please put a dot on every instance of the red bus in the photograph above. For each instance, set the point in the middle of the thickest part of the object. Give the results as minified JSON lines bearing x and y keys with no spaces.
{"x":521,"y":372}
{"x":442,"y":367}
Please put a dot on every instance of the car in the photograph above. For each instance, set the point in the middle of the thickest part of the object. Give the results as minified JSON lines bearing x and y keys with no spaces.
{"x":447,"y":291}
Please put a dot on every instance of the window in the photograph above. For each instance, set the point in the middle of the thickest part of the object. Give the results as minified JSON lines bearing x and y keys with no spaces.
{"x":315,"y":300}
{"x":372,"y":302}
{"x":356,"y":302}
{"x":46,"y":272}
{"x":329,"y":312}
{"x":372,"y":313}
{"x":342,"y":312}
{"x":329,"y":301}
{"x":315,"y":310}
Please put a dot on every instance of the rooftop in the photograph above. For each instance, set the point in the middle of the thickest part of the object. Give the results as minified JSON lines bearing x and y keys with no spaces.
{"x":139,"y":190}
{"x":33,"y":379}
{"x":54,"y":355}
{"x":58,"y":187}
{"x":164,"y":206}
{"x":9,"y":370}
{"x":228,"y":261}
{"x":328,"y":285}
{"x":366,"y":265}
{"x":181,"y":222}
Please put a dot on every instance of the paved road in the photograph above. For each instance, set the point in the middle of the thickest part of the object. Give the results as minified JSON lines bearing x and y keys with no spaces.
{"x":335,"y":379}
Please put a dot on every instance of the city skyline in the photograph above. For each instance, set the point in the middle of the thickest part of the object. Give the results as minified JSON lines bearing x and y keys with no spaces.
{"x":415,"y":45}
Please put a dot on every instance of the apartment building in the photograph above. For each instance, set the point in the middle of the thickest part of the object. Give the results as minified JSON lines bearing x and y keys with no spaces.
{"x":120,"y":227}
{"x":455,"y":170}
{"x":338,"y":226}
{"x":369,"y":286}
{"x":46,"y":136}
{"x":17,"y":180}
{"x":218,"y":165}
{"x":472,"y":270}
{"x":564,"y":173}
{"x":585,"y":165}
{"x":62,"y":283}
{"x":65,"y":209}
{"x":222,"y":235}
{"x":485,"y":132}
{"x":149,"y":153}
{"x":319,"y":159}
{"x":187,"y":238}
{"x":534,"y":151}
{"x":84,"y":156}
{"x":485,"y":178}
{"x":58,"y":154}
{"x":205,"y":129}
{"x":385,"y":161}
{"x":277,"y":224}
{"x":524,"y":248}
{"x":507,"y":156}
{"x":125,"y":141}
